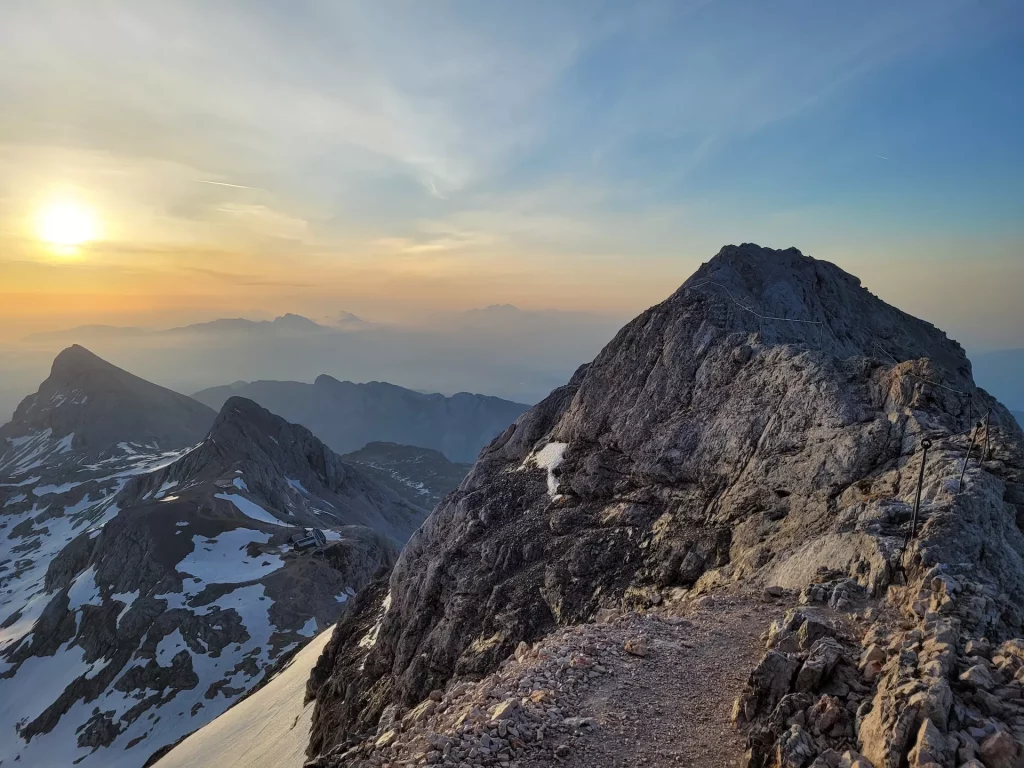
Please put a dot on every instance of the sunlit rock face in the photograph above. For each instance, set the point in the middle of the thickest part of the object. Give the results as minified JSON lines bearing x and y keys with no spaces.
{"x":762,"y":423}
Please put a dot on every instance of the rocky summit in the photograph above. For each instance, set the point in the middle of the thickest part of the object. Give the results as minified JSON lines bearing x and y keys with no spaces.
{"x":750,"y":454}
{"x":88,"y":407}
{"x":144,"y":591}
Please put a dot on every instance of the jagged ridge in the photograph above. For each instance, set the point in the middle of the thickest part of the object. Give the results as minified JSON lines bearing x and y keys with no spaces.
{"x":103,"y":405}
{"x":704,"y":443}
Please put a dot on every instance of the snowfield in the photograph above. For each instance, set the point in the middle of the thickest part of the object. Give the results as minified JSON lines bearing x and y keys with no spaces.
{"x":270,"y":729}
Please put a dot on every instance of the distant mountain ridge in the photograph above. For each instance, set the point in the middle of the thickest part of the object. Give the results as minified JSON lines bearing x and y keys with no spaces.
{"x":422,"y":475}
{"x":347,"y":416}
{"x":285,"y":324}
{"x":144,"y":590}
{"x":89,"y":406}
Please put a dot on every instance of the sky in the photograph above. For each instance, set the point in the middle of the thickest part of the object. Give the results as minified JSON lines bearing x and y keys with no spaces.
{"x":395,"y":158}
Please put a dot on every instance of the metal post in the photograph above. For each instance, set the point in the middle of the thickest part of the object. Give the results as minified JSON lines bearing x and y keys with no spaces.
{"x":988,"y":425}
{"x":925,"y":445}
{"x":967,"y":458}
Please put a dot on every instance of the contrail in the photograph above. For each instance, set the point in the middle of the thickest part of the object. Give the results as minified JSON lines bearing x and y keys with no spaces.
{"x":883,"y":157}
{"x":224,"y":184}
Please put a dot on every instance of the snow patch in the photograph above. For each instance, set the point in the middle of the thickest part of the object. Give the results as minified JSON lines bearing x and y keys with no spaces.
{"x":84,"y":590}
{"x":549,"y":458}
{"x":42,"y":490}
{"x":168,"y":648}
{"x":128,"y":598}
{"x":222,"y":560}
{"x":250,"y":508}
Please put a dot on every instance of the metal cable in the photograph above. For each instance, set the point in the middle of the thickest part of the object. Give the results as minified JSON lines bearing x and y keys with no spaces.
{"x":752,"y":311}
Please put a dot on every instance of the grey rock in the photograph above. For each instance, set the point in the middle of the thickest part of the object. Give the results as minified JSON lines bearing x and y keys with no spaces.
{"x":798,"y":461}
{"x":822,"y":659}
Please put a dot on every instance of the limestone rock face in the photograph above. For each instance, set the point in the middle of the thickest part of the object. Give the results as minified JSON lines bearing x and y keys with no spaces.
{"x":762,"y":423}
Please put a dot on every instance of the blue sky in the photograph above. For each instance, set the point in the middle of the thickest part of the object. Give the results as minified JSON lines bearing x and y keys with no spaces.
{"x":396,"y":156}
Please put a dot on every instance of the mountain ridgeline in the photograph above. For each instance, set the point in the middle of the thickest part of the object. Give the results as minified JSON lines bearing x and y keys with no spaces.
{"x":156,"y":562}
{"x":89,"y":406}
{"x":421,"y":475}
{"x":347,"y":416}
{"x":761,"y":429}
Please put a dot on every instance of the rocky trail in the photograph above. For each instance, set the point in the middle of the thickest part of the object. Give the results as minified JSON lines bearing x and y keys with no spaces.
{"x":671,"y":707}
{"x":652,"y":688}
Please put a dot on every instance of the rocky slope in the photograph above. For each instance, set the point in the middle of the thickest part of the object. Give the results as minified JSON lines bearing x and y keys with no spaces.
{"x":347,"y":416}
{"x":141,"y":594}
{"x":86,"y":407}
{"x":420,"y":475}
{"x":761,"y":427}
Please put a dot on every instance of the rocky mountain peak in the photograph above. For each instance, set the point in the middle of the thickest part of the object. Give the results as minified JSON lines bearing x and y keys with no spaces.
{"x":788,"y":297}
{"x":76,"y":359}
{"x":245,"y":431}
{"x":94,"y":406}
{"x":286,"y":470}
{"x":761,"y":427}
{"x":297,"y":323}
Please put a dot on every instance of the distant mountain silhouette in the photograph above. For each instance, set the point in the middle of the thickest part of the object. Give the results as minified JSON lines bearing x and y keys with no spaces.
{"x":283,"y":325}
{"x":347,"y":416}
{"x":95,"y":405}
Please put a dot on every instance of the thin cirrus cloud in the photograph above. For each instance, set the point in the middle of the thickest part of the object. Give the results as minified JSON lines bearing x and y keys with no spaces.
{"x":518,"y":142}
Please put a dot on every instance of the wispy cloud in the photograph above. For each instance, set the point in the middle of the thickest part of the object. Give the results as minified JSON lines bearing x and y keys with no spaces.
{"x":224,"y":184}
{"x":620,"y":141}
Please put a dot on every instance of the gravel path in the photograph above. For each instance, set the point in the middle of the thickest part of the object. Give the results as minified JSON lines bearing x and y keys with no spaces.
{"x":672,"y":707}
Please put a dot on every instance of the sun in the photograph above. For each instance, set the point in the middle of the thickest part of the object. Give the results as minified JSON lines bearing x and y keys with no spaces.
{"x":66,"y":224}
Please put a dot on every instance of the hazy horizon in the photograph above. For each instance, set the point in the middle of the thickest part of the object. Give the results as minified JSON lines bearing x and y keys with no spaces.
{"x":162,"y":165}
{"x":393,"y":161}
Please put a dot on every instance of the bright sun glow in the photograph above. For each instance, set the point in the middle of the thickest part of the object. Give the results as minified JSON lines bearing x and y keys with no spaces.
{"x":67,"y":224}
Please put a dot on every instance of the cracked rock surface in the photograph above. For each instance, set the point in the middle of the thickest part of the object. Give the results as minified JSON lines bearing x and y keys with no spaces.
{"x":760,"y":427}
